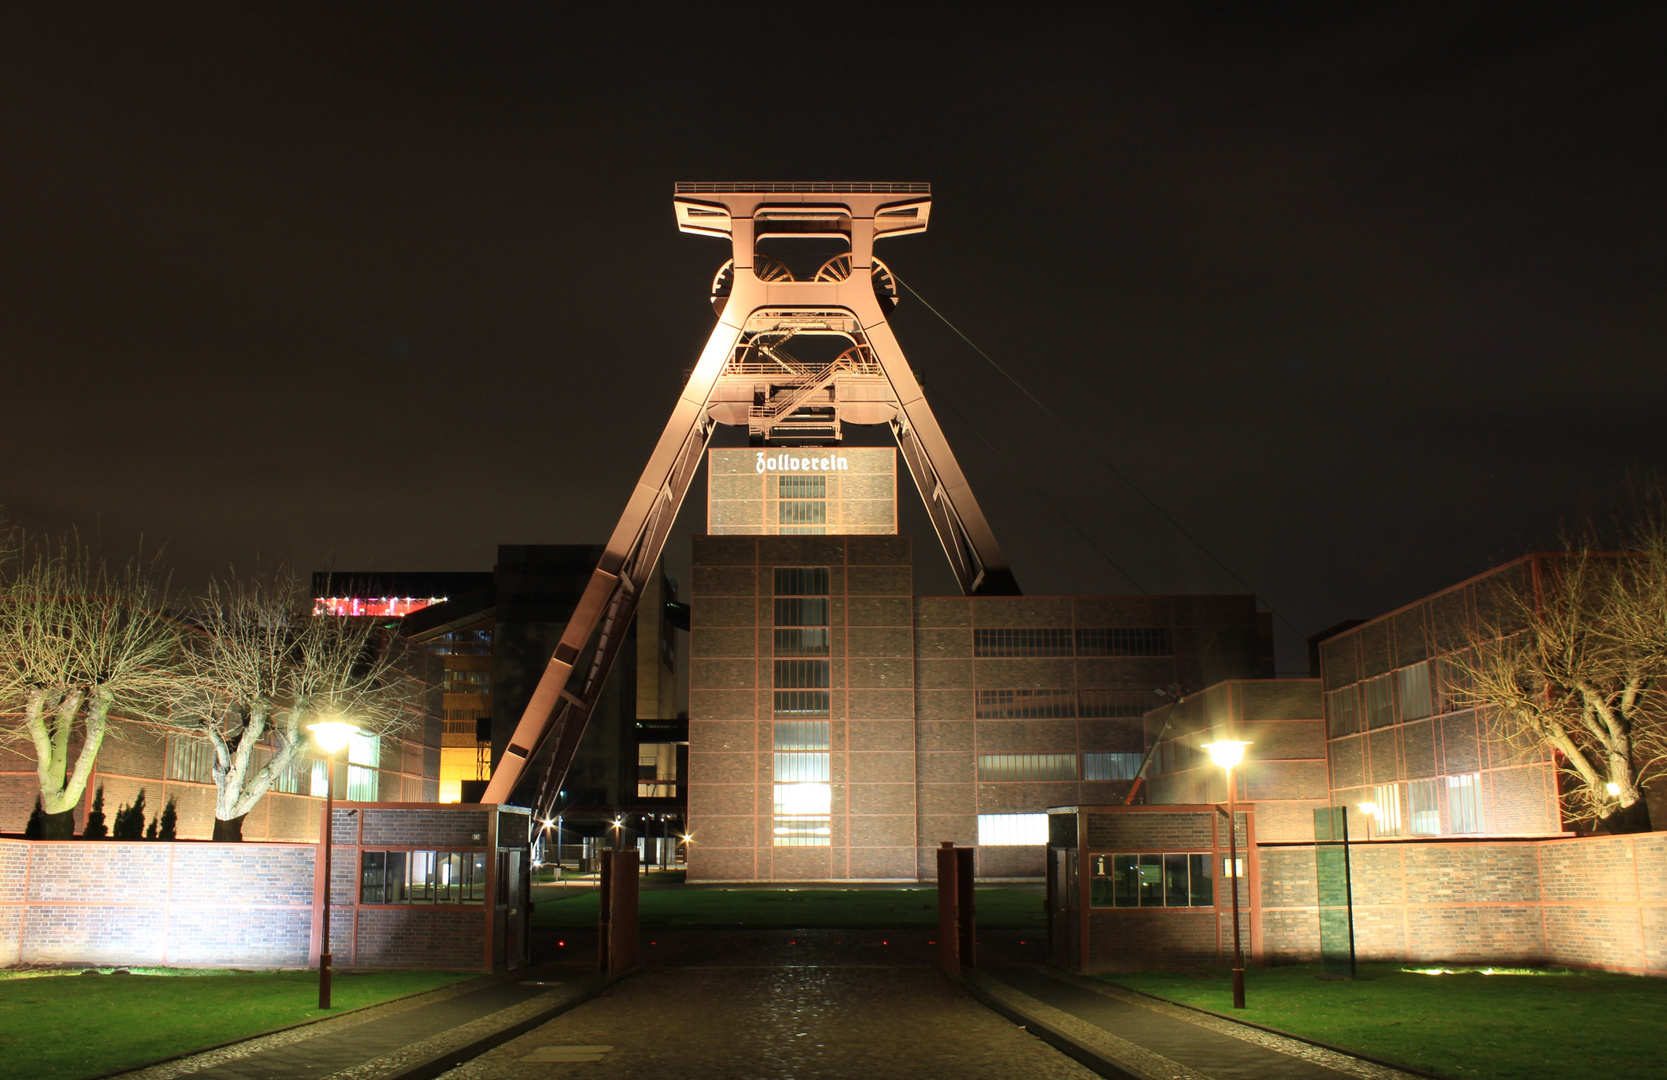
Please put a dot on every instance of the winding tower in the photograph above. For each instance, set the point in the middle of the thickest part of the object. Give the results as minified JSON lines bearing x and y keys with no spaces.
{"x":801,"y":349}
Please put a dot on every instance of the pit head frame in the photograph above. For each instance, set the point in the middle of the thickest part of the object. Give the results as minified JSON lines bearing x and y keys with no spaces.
{"x":748,"y":374}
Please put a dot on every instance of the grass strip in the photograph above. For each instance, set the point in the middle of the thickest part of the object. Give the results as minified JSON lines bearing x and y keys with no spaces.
{"x":63,"y":1026}
{"x":1521,"y":1024}
{"x":794,"y":909}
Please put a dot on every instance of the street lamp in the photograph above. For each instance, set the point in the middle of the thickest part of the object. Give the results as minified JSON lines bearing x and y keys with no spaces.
{"x":331,"y":736}
{"x":1227,"y":753}
{"x":1370,"y":809}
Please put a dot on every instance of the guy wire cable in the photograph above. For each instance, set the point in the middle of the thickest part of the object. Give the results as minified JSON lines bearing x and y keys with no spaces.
{"x":1115,"y":471}
{"x":946,"y":403}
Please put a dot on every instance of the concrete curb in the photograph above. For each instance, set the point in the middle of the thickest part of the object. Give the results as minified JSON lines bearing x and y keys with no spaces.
{"x":194,"y":1051}
{"x":1049,"y":1033}
{"x":1385,"y":1062}
{"x":447,"y":1060}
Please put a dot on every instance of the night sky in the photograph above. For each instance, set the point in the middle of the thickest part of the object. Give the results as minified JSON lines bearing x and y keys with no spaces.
{"x":1367,"y":299}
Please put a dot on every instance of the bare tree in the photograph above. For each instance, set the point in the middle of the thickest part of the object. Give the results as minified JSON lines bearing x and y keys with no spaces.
{"x":264,"y":667}
{"x":1575,"y":660}
{"x":78,"y":639}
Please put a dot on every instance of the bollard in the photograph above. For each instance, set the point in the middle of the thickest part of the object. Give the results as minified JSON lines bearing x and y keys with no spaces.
{"x":957,"y":923}
{"x":617,"y":932}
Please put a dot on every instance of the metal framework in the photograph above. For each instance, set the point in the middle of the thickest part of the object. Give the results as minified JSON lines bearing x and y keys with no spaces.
{"x":750,"y":374}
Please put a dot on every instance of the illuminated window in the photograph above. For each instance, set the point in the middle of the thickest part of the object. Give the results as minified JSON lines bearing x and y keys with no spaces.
{"x":468,"y":682}
{"x":803,"y":812}
{"x":1388,"y":800}
{"x":364,"y":754}
{"x":422,"y":877}
{"x":190,"y":759}
{"x":1167,"y":879}
{"x":1110,"y":766}
{"x":380,"y":606}
{"x":1019,"y":768}
{"x":1423,"y":808}
{"x":463,"y":643}
{"x":1413,"y":688}
{"x":1012,"y":830}
{"x":803,"y":507}
{"x":801,"y":767}
{"x":801,"y":735}
{"x":1464,"y":802}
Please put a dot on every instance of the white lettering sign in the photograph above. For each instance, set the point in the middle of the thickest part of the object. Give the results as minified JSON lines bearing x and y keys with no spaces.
{"x":785,"y":462}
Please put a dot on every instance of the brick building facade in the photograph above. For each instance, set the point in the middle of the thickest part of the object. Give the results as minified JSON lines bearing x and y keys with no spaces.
{"x":841,"y":727}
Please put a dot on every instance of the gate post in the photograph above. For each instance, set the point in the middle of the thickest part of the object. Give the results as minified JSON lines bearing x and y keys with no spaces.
{"x":957,"y":926}
{"x":617,"y":936}
{"x":949,"y":923}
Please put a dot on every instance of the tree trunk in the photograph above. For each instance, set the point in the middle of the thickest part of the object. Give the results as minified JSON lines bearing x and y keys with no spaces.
{"x":230,"y":832}
{"x":1628,"y":819}
{"x":58,"y":826}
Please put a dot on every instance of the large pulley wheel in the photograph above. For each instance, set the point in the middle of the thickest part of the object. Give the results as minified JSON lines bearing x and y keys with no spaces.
{"x":838,"y":268}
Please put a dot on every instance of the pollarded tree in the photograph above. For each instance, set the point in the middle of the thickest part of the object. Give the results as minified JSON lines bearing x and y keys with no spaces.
{"x":77,"y":640}
{"x":1576,"y":661}
{"x":262,"y":669}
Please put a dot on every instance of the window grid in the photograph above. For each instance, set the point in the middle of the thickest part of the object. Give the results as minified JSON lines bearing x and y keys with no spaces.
{"x":1423,"y":808}
{"x":801,"y":735}
{"x":1342,"y":714}
{"x":190,"y":759}
{"x":801,"y":611}
{"x":1025,"y":704}
{"x":422,"y":877}
{"x":1375,"y":703}
{"x":1153,"y":879}
{"x":805,"y":641}
{"x":802,"y":703}
{"x":801,"y":581}
{"x":1026,"y":768}
{"x":801,"y":674}
{"x":1110,"y":766}
{"x":1124,"y":641}
{"x":1413,"y":689}
{"x":801,"y":763}
{"x":1026,"y":642}
{"x":1388,"y":800}
{"x":1464,"y":802}
{"x":802,"y":487}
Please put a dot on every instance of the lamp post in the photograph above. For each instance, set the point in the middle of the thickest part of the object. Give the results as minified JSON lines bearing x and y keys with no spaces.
{"x":331,"y":736}
{"x":1228,"y":753}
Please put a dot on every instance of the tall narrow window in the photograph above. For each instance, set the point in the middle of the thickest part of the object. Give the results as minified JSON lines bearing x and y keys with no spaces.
{"x":1423,"y":809}
{"x":1340,"y":711}
{"x":1464,"y":802}
{"x":1413,"y":688}
{"x":364,"y":754}
{"x":801,"y":772}
{"x":1375,"y":702}
{"x":1388,"y":800}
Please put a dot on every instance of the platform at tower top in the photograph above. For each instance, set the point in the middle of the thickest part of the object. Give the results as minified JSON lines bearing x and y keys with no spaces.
{"x":706,"y":187}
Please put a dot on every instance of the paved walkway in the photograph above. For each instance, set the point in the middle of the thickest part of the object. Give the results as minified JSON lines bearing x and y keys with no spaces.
{"x":769,"y":1005}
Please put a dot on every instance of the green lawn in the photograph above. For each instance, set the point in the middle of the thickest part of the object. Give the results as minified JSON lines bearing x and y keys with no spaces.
{"x":1528,"y":1026}
{"x":63,"y":1026}
{"x":794,"y":909}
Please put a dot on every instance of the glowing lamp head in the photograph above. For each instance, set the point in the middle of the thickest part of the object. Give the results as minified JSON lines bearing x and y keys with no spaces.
{"x":1613,"y":788}
{"x":1226,"y":752}
{"x":1370,"y":809}
{"x":332,"y":735}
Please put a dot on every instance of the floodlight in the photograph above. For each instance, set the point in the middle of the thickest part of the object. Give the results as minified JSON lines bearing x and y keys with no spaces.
{"x":1614,"y":788}
{"x":332,"y":735}
{"x":1226,"y":752}
{"x":1370,"y":809}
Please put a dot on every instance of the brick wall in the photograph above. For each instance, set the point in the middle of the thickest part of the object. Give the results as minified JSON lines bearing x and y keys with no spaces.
{"x":191,"y":904}
{"x":1598,"y":902}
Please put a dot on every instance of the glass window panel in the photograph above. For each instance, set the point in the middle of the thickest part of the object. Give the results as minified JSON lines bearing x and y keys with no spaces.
{"x":1388,"y":800}
{"x":1201,"y":885}
{"x":373,"y":866}
{"x":1025,"y":704}
{"x":1125,"y":876}
{"x":1175,"y":890}
{"x":801,"y":768}
{"x":1151,"y":881}
{"x":1376,"y":703}
{"x":1110,"y":766}
{"x":801,"y":581}
{"x":477,"y":878}
{"x":802,"y":512}
{"x":1464,"y":802}
{"x":398,"y":887}
{"x":1124,"y":641}
{"x":801,"y":611}
{"x":802,"y":487}
{"x":1423,"y":808}
{"x":1022,"y":642}
{"x":1413,"y":688}
{"x":799,"y":799}
{"x":809,"y":641}
{"x":364,"y":750}
{"x":452,"y":875}
{"x":1013,"y":830}
{"x":801,"y":735}
{"x":1341,"y":717}
{"x":805,"y":703}
{"x":801,"y":674}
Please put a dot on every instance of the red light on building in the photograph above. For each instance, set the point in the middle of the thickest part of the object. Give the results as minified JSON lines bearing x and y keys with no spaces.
{"x":374,"y":607}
